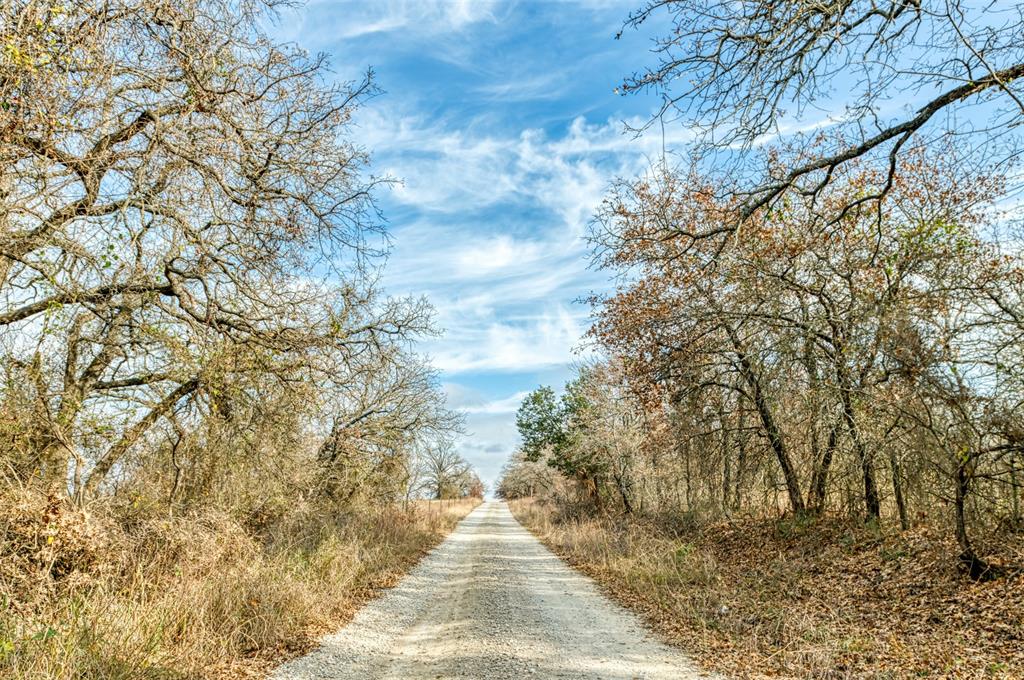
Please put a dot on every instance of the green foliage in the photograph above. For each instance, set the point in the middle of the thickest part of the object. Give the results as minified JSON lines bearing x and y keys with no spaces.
{"x":541,"y":423}
{"x":575,"y":404}
{"x":550,"y":427}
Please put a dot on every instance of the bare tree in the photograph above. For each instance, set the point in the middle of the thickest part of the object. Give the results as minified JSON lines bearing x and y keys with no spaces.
{"x":521,"y":477}
{"x":381,"y":421}
{"x":446,"y":474}
{"x":180,"y":208}
{"x":736,"y":70}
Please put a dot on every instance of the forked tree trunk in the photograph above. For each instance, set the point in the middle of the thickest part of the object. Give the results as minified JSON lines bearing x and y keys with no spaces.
{"x":897,"y":490}
{"x":872,"y":502}
{"x":974,"y":566}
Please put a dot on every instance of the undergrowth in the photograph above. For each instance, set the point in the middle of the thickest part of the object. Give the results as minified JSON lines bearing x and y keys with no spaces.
{"x":113,"y":592}
{"x":808,"y":598}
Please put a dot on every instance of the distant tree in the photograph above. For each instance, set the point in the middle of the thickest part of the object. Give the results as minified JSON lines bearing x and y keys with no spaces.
{"x":523,"y":478}
{"x":540,"y":421}
{"x":380,"y":422}
{"x":446,"y":473}
{"x":550,"y":429}
{"x":476,"y":488}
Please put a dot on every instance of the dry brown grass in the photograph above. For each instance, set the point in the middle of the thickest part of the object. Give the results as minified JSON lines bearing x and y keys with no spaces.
{"x":92,"y":594}
{"x":800,"y":599}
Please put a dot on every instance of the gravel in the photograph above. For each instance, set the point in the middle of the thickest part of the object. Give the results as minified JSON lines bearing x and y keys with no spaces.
{"x":492,"y":602}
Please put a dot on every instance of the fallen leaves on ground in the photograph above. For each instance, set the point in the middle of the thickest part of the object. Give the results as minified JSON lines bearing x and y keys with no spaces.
{"x":808,"y":599}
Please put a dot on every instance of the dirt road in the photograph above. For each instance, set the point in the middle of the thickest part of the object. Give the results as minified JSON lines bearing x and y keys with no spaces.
{"x":492,"y":602}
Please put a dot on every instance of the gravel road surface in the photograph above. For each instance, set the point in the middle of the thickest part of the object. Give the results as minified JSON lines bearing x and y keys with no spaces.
{"x":492,"y":602}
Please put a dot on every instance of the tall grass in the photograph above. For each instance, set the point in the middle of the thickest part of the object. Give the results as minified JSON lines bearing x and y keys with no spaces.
{"x":108,"y":593}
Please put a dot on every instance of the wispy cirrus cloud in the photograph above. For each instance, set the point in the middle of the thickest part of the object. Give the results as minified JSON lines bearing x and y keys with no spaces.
{"x":528,"y":86}
{"x":475,"y":403}
{"x":448,"y":168}
{"x":346,"y":20}
{"x":546,"y":340}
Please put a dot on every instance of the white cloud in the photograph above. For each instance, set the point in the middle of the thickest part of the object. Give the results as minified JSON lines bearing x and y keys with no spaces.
{"x":473,"y":402}
{"x":509,"y":404}
{"x":500,"y":264}
{"x":494,"y":255}
{"x":535,"y":344}
{"x":526,"y":87}
{"x":350,"y":19}
{"x":450,"y":170}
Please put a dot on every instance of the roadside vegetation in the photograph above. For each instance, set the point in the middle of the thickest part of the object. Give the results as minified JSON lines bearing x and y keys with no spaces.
{"x":214,"y":427}
{"x":796,"y":598}
{"x":798,"y":448}
{"x":119,"y":592}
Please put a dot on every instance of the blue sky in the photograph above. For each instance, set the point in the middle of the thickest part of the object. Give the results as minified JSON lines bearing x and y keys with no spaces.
{"x":501,"y":121}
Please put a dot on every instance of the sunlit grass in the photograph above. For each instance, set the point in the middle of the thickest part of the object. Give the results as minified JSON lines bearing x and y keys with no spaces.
{"x":82,"y":596}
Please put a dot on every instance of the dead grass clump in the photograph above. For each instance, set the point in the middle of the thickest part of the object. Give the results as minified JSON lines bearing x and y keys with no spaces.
{"x":47,"y":544}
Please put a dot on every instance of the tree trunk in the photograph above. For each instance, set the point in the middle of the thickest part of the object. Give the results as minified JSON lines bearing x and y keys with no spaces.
{"x":819,"y":481}
{"x":626,"y":505}
{"x":595,"y":491}
{"x":726,"y":459}
{"x":1014,"y":491}
{"x":897,"y":489}
{"x":741,"y":460}
{"x":872,"y":503}
{"x":771,"y":428}
{"x":975,"y":567}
